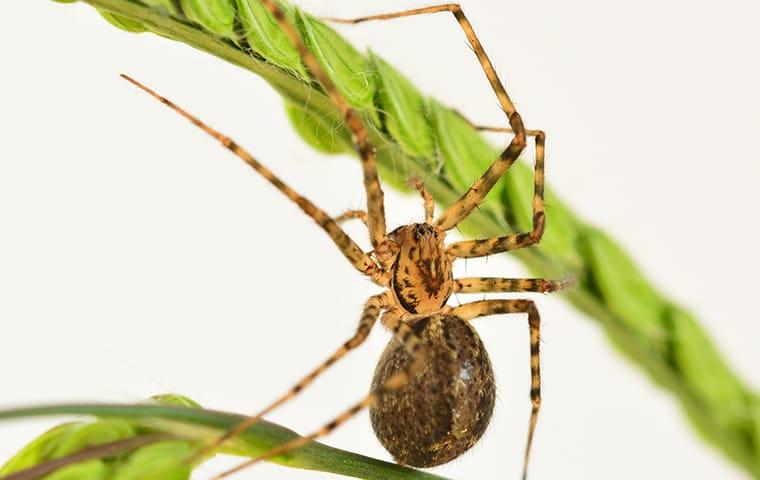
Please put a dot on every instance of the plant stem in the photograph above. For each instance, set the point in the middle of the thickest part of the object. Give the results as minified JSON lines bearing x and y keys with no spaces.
{"x":202,"y":425}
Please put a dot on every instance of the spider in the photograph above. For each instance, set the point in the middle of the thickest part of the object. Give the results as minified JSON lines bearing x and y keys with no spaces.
{"x":433,"y":390}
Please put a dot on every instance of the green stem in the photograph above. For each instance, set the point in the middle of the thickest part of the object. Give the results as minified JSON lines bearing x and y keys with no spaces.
{"x":429,"y":141}
{"x":202,"y":425}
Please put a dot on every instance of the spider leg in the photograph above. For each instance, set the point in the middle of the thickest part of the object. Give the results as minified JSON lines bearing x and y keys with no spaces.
{"x":412,"y":343}
{"x":369,"y":316}
{"x":358,"y":258}
{"x":488,"y":246}
{"x":417,"y":184}
{"x":487,"y":128}
{"x":360,"y":215}
{"x":473,"y":310}
{"x":360,"y":136}
{"x":493,"y":284}
{"x":478,"y":191}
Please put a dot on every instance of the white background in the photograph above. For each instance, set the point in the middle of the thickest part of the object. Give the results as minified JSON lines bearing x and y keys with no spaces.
{"x":137,"y":256}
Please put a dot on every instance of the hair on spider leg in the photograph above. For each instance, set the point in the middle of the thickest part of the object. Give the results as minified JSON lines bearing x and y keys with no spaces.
{"x":433,"y":392}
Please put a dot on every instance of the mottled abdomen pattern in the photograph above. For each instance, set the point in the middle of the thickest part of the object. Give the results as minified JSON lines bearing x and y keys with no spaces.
{"x":446,"y":407}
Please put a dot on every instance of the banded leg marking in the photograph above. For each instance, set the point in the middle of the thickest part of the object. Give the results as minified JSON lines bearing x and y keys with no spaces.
{"x":495,"y":284}
{"x":360,"y":215}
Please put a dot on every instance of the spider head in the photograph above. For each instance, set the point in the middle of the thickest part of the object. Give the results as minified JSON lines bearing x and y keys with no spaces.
{"x":421,"y":270}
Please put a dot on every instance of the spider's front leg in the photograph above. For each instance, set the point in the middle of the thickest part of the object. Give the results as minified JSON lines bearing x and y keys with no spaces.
{"x":489,"y":246}
{"x":478,"y":191}
{"x":359,"y":133}
{"x":473,"y":310}
{"x":358,"y":258}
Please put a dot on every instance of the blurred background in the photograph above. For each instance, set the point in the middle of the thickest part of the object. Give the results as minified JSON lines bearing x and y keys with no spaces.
{"x":137,"y":256}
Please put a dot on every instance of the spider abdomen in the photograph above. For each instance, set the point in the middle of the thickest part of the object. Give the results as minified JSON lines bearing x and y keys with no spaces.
{"x":446,"y":406}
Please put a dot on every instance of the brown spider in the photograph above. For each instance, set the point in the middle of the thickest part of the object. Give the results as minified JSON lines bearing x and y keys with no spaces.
{"x":433,"y":390}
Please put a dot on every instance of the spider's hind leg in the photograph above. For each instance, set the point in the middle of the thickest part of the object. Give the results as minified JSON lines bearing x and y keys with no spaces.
{"x":413,"y":345}
{"x":470,"y":311}
{"x":372,"y":309}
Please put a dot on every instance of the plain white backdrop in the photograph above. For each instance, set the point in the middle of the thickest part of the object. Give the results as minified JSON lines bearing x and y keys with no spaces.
{"x":138,"y":257}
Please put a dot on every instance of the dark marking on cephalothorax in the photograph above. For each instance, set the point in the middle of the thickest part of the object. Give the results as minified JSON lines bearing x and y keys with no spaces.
{"x":421,"y":273}
{"x":445,"y":408}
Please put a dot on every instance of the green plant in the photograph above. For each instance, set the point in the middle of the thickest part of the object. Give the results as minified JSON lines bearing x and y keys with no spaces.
{"x":154,"y":441}
{"x":660,"y":336}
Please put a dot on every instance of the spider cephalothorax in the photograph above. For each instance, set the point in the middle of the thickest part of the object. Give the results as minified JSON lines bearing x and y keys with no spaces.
{"x":433,"y":391}
{"x":421,"y":277}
